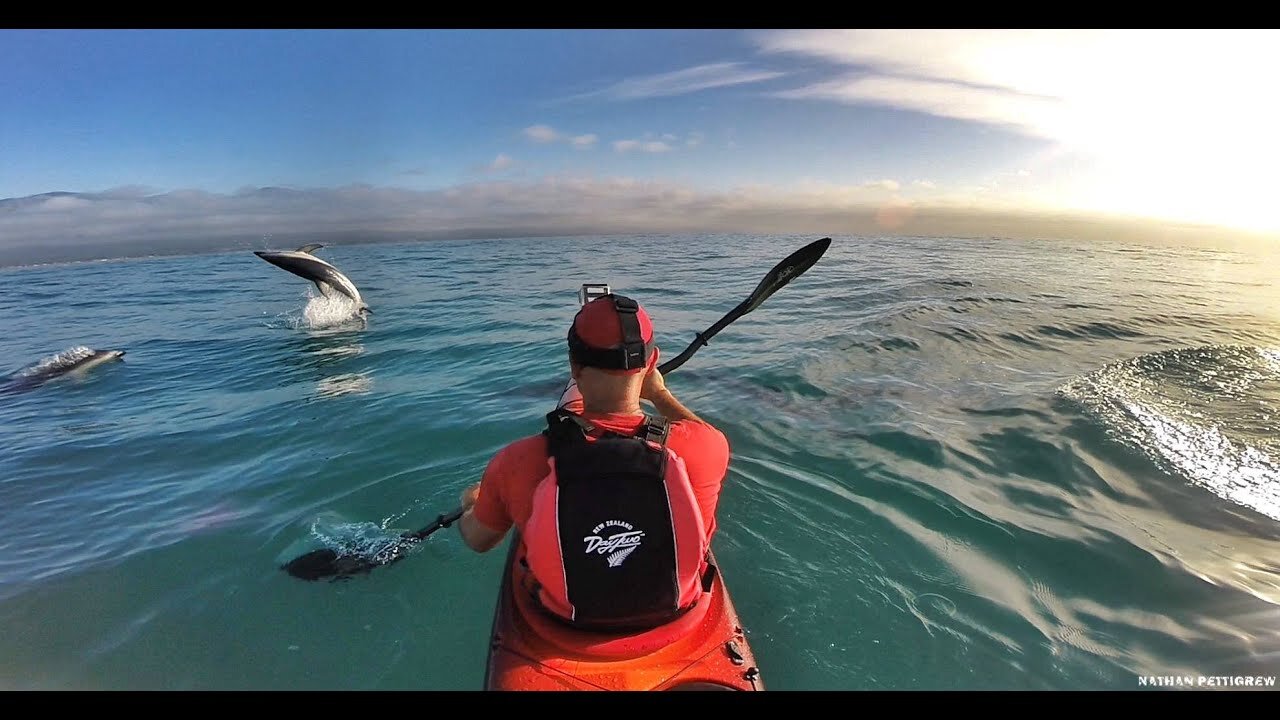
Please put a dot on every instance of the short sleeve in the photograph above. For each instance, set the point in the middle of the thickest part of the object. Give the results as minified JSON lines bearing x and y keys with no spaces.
{"x":489,"y":508}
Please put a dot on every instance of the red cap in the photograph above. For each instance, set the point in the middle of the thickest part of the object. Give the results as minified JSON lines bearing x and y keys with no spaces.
{"x":597,"y":326}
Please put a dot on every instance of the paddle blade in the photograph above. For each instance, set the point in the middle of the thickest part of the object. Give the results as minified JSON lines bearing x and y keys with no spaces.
{"x":328,"y":564}
{"x":785,"y":271}
{"x":314,"y":565}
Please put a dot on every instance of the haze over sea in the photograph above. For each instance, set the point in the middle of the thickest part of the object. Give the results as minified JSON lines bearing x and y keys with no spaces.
{"x":957,"y":463}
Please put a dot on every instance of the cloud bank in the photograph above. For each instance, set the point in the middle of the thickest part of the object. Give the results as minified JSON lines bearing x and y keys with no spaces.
{"x":58,"y":227}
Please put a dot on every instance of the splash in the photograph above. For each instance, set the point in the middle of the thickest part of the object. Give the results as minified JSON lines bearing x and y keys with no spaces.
{"x":1208,"y":414}
{"x":356,"y":539}
{"x":337,"y":314}
{"x":327,"y":312}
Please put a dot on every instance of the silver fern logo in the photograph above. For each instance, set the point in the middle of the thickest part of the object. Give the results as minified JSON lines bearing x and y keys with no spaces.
{"x":615,"y":558}
{"x":617,"y":546}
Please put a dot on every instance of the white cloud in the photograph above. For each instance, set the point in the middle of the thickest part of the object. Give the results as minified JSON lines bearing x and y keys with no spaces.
{"x":502,"y":162}
{"x":1033,"y":115}
{"x":649,"y":146}
{"x":546,"y":134}
{"x":60,"y":203}
{"x":927,"y":184}
{"x":818,"y":191}
{"x":541,"y":134}
{"x":695,"y":139}
{"x":689,"y":80}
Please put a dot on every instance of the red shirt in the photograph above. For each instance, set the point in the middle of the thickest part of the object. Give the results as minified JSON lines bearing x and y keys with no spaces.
{"x":506,"y":489}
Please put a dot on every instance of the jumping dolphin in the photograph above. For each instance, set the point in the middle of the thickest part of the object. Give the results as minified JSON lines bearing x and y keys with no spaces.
{"x":76,"y":361}
{"x":328,"y":279}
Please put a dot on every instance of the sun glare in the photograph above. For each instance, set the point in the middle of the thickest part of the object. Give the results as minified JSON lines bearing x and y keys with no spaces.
{"x":1191,"y":137}
{"x":1177,"y":124}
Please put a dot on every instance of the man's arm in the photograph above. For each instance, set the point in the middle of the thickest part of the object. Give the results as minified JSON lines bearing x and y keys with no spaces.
{"x":476,"y":534}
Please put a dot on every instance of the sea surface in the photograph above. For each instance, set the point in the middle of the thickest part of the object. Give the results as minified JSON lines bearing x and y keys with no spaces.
{"x":956,"y":463}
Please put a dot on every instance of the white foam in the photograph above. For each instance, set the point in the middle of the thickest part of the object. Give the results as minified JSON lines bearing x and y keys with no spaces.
{"x":1190,"y":411}
{"x":324,"y":312}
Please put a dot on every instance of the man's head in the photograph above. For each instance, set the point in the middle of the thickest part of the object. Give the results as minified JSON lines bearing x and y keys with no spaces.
{"x":612,"y":337}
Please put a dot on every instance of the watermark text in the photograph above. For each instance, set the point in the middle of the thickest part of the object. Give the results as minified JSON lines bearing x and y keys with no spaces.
{"x":1265,"y":681}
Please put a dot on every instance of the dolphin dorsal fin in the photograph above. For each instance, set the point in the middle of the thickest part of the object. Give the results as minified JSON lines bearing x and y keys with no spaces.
{"x":310,"y":248}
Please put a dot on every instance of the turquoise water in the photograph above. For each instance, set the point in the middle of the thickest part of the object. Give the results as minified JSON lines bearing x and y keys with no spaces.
{"x":974,"y":464}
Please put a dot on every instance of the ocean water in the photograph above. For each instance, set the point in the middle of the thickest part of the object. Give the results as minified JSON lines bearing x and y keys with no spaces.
{"x":957,"y":463}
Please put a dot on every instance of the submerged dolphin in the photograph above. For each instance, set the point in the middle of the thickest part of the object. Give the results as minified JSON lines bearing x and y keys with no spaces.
{"x":75,"y":361}
{"x":328,"y":279}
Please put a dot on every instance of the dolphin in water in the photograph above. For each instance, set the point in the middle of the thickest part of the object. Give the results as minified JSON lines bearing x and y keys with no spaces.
{"x":328,"y":279}
{"x":75,"y":362}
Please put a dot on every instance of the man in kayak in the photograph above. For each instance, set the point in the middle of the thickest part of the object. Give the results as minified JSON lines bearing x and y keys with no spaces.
{"x":613,"y":533}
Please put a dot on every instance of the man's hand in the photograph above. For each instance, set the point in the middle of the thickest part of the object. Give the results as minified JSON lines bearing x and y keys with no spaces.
{"x":655,"y":391}
{"x":470,"y":495}
{"x":654,"y":387}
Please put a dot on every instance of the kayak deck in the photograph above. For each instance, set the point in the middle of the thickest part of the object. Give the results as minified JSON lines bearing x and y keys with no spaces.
{"x":706,"y":649}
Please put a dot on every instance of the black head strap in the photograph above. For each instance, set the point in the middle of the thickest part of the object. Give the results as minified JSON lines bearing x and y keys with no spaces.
{"x":631,"y":354}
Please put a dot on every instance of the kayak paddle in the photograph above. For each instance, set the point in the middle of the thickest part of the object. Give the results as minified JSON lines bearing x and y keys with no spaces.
{"x":328,"y":563}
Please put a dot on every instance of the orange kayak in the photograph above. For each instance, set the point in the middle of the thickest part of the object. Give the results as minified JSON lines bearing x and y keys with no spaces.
{"x":705,"y":649}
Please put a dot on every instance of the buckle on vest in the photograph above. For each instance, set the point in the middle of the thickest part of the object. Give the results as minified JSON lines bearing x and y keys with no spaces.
{"x":656,"y":431}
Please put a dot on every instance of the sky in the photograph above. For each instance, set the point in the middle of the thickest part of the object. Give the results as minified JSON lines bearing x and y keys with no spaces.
{"x":256,"y":133}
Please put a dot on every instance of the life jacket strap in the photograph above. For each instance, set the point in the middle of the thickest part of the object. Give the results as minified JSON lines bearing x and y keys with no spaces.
{"x":563,"y":424}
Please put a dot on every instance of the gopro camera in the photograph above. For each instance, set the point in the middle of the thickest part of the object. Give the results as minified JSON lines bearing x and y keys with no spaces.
{"x":591,"y":291}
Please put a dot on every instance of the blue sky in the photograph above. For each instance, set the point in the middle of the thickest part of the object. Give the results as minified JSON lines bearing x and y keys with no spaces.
{"x":1176,"y":125}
